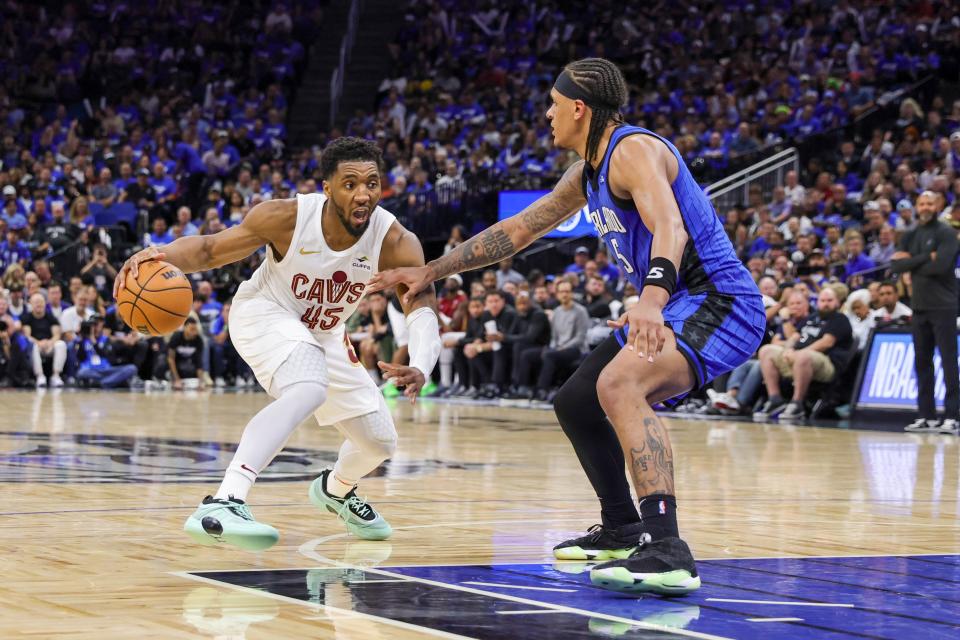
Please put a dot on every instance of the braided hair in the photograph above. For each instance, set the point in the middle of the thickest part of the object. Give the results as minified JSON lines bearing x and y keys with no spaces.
{"x":607,"y":87}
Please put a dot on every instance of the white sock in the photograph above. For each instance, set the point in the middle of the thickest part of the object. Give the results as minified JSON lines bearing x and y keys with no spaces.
{"x":337,"y":487}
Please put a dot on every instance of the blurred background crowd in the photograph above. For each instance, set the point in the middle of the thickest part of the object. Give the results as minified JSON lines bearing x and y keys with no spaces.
{"x":125,"y":125}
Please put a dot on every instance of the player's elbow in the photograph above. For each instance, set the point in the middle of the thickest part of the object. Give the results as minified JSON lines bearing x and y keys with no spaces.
{"x":678,"y":232}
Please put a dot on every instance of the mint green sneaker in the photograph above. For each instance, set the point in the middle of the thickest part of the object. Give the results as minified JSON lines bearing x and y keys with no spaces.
{"x":229,"y":521}
{"x":389,"y":389}
{"x":361,"y":518}
{"x":428,"y":389}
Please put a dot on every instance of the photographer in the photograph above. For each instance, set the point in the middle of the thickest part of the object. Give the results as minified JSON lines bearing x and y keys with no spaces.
{"x":96,"y":358}
{"x":100,"y":270}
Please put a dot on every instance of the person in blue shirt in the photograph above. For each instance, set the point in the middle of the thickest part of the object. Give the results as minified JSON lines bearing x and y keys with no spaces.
{"x":580,"y":258}
{"x":13,"y":250}
{"x":163,"y":184}
{"x":857,"y":261}
{"x":160,"y":234}
{"x":700,"y":315}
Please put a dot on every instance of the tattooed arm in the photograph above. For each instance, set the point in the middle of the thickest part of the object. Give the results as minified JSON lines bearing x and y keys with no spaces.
{"x":500,"y":241}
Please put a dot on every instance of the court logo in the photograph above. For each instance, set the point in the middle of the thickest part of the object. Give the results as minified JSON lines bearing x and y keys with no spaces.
{"x":95,"y":458}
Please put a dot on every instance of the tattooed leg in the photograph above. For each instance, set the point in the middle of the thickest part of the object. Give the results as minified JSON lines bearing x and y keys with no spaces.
{"x":651,"y":464}
{"x":627,"y":388}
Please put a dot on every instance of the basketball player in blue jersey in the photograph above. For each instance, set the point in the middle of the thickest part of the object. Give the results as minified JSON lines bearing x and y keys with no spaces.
{"x":699,"y":315}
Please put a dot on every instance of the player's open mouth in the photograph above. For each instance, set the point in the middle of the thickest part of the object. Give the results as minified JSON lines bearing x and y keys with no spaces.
{"x":361,"y":215}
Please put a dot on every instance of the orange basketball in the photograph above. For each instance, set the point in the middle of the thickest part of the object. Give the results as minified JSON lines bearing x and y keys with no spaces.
{"x":157,"y":301}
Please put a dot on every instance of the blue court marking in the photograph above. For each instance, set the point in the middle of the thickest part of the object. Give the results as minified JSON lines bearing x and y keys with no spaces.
{"x":892,"y":597}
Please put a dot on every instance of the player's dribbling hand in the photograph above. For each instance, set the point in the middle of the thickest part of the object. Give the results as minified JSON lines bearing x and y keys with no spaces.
{"x":132,"y":265}
{"x":416,"y":280}
{"x":410,"y":378}
{"x":646,"y":334}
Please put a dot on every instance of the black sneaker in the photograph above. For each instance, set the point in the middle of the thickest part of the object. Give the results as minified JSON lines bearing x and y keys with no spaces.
{"x":601,"y":543}
{"x":792,"y":412}
{"x":769,"y":409}
{"x":665,"y":567}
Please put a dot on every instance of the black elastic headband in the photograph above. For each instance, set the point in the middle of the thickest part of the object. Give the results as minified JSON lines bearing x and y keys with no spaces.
{"x":566,"y":86}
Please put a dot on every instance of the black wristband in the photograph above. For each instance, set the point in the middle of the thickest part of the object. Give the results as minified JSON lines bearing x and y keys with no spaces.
{"x":662,"y":274}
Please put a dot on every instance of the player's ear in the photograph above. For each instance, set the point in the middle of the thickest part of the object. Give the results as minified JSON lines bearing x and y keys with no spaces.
{"x":579,"y":109}
{"x":326,"y":188}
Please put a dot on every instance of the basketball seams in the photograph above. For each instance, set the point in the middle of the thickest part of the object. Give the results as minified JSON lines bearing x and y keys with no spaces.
{"x":145,"y":318}
{"x":172,"y":313}
{"x":142,"y":286}
{"x":167,"y":289}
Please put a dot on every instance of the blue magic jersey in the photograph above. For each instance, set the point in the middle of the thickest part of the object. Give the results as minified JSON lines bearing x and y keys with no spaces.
{"x":709,"y":263}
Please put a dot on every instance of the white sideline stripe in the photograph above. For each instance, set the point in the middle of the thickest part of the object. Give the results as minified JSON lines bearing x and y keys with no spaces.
{"x":516,"y":586}
{"x":375,"y":581}
{"x":792,"y":604}
{"x":527,"y":612}
{"x":774,"y":619}
{"x":308,"y":550}
{"x":323,"y":607}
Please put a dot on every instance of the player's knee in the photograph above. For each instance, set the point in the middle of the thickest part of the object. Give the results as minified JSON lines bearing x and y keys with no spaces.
{"x":378,"y":445}
{"x":609,"y":389}
{"x":383,"y":445}
{"x":373,"y":433}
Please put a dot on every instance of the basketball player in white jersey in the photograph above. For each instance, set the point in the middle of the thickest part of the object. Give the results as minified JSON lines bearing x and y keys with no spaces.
{"x":287,"y":322}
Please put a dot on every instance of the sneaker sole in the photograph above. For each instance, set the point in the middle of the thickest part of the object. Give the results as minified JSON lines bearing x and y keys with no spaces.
{"x":671,"y":583}
{"x":364,"y":533}
{"x":723,"y":406}
{"x":247,"y":542}
{"x":578,"y":553}
{"x":923,"y":430}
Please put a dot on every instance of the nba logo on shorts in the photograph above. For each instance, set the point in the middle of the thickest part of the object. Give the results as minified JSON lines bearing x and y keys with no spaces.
{"x":663,"y":507}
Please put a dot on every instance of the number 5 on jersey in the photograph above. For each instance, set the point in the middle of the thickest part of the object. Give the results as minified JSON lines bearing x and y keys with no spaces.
{"x":620,"y":257}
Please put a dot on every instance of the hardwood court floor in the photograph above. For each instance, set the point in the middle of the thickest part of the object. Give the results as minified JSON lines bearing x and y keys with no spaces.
{"x":94,"y":488}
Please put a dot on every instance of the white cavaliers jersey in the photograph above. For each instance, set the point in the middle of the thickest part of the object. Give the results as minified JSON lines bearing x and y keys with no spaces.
{"x":321,"y":286}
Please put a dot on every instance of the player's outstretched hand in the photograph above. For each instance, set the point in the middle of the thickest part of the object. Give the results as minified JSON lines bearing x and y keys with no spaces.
{"x":646,"y":334}
{"x":132,"y":266}
{"x":416,"y":280}
{"x":410,"y":378}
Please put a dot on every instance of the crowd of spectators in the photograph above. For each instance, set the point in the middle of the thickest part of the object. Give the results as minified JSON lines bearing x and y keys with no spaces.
{"x":723,"y":80}
{"x":108,"y":107}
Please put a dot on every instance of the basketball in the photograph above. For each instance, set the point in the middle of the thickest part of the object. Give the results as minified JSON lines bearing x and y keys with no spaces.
{"x":157,"y":301}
